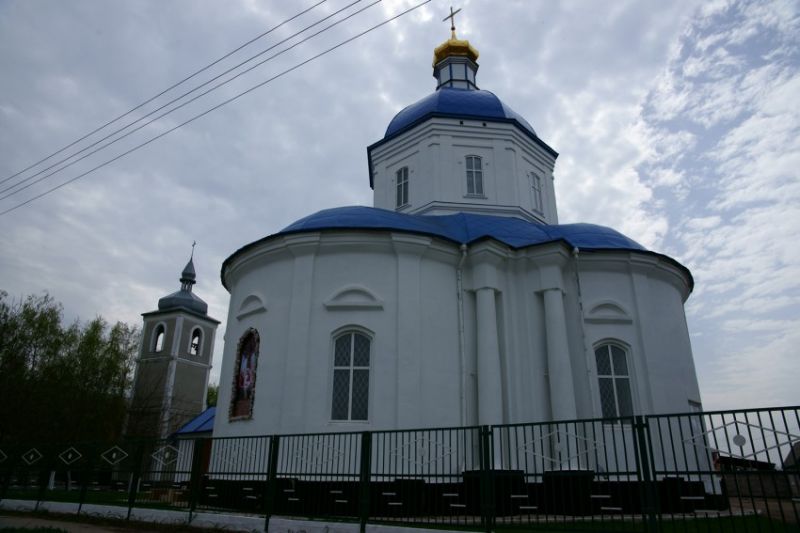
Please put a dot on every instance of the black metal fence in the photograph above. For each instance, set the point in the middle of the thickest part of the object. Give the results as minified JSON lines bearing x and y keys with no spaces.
{"x":713,"y":471}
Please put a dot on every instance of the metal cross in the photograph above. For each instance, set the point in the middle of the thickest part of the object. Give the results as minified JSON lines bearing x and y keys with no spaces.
{"x":452,"y":17}
{"x":193,"y":243}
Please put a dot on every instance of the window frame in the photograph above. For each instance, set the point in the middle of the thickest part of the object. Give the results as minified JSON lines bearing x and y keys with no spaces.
{"x":160,"y":329}
{"x":199,"y":330}
{"x":474,"y":176}
{"x":338,"y":334}
{"x":401,"y":187}
{"x":608,"y":344}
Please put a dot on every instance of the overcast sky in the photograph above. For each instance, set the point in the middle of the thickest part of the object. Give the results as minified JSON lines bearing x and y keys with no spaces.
{"x":677,"y":123}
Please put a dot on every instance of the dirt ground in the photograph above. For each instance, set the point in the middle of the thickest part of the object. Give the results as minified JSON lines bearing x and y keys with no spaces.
{"x":100,"y":526}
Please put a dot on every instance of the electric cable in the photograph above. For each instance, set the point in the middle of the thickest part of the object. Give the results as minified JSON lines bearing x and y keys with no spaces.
{"x":95,"y":143}
{"x":187,"y":78}
{"x":221,"y":104}
{"x":131,"y":132}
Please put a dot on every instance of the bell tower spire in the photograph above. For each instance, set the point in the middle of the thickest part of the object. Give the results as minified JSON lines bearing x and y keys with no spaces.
{"x":454,"y":61}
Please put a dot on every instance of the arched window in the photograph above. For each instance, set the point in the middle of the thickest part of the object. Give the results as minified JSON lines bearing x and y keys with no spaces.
{"x":244,"y":376}
{"x":158,"y":337}
{"x":474,"y":175}
{"x":402,"y":186}
{"x":196,"y":341}
{"x":350,"y":400}
{"x":615,"y":383}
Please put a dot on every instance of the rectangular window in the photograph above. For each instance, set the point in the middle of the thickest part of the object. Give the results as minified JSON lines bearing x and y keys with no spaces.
{"x":474,"y":175}
{"x":402,"y":186}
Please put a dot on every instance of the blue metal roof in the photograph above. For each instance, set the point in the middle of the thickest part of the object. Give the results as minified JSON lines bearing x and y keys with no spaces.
{"x":465,"y":228}
{"x":458,"y":103}
{"x":202,"y":423}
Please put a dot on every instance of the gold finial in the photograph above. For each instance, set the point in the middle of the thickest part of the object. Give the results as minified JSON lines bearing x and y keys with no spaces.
{"x":452,"y":17}
{"x":453,"y":46}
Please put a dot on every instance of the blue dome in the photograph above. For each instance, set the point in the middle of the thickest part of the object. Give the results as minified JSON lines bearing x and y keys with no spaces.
{"x":456,"y":103}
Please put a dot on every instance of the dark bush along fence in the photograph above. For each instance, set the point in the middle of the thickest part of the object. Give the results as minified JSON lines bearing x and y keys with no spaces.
{"x":713,"y":471}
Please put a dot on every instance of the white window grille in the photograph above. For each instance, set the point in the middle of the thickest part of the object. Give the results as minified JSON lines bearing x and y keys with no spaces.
{"x":350,"y":376}
{"x":474,"y":175}
{"x":402,"y":186}
{"x":616,"y":398}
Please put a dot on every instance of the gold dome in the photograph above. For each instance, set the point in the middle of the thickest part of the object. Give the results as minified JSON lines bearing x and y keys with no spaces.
{"x":454,"y":47}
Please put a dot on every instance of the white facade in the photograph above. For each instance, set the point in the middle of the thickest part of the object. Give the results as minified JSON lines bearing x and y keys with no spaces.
{"x":436,"y":151}
{"x":479,"y":332}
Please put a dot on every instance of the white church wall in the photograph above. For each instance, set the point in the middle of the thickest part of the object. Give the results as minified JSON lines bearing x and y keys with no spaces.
{"x":435,"y":154}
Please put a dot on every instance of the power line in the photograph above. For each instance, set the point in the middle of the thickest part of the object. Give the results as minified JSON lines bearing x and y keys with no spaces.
{"x":225,"y":102}
{"x":131,"y":132}
{"x":187,"y":78}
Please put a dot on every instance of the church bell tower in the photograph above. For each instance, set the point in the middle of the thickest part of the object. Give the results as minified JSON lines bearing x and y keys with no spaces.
{"x":174,"y":362}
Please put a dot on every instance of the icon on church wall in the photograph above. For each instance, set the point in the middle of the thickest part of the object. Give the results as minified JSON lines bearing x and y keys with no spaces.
{"x":244,"y":379}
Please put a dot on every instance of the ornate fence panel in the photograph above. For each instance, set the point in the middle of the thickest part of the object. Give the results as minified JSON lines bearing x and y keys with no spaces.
{"x":583,"y":473}
{"x":429,"y":476}
{"x":732,"y":466}
{"x":712,"y":471}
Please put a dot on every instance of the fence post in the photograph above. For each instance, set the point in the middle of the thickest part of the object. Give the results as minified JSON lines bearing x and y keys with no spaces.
{"x":272,"y":476}
{"x":196,"y":474}
{"x":644,"y":465}
{"x":364,"y":479}
{"x":86,"y":474}
{"x":486,"y":479}
{"x":136,"y":469}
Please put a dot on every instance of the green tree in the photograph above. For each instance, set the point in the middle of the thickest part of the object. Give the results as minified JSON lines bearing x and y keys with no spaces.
{"x":61,"y":382}
{"x":211,"y":395}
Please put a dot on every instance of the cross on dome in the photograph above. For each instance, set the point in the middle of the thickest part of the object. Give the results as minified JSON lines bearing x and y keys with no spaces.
{"x":454,"y":61}
{"x":452,"y":17}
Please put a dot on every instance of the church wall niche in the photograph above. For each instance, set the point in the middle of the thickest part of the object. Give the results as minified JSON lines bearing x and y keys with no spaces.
{"x":441,"y":364}
{"x":351,"y":289}
{"x":251,"y":304}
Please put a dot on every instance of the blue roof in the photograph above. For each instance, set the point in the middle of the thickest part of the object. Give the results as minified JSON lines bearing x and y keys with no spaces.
{"x":465,"y":228}
{"x":202,"y":423}
{"x":457,"y":103}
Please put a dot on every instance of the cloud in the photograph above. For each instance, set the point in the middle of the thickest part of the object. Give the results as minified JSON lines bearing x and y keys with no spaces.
{"x":676,"y":123}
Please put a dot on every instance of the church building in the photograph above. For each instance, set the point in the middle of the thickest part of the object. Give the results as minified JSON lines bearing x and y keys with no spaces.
{"x":458,"y":299}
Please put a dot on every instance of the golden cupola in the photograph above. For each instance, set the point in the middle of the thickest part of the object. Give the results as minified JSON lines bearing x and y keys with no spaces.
{"x":454,"y":62}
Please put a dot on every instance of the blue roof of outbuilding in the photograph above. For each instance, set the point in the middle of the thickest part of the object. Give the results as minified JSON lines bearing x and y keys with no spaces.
{"x":465,"y":228}
{"x":458,"y":103}
{"x":202,"y":423}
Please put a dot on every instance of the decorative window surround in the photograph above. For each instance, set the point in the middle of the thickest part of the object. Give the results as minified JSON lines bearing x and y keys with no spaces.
{"x":351,"y":297}
{"x":251,"y":305}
